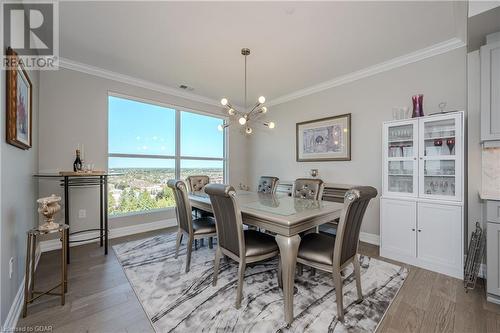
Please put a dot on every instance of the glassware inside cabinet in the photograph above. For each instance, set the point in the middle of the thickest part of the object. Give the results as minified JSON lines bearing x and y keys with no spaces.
{"x":400,"y":174}
{"x":439,"y":137}
{"x":439,"y":177}
{"x":401,"y":168}
{"x":400,"y":141}
{"x":401,"y":183}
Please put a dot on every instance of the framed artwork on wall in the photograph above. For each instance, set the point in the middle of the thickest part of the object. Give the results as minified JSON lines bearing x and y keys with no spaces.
{"x":326,"y":139}
{"x":19,"y":105}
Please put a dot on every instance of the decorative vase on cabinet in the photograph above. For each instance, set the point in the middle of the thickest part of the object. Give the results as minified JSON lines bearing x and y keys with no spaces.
{"x":422,"y":195}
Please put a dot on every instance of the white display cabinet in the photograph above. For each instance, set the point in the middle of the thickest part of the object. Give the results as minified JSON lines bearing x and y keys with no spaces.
{"x":422,"y":197}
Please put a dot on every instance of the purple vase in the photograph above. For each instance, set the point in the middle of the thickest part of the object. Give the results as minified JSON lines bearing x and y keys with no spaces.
{"x":418,"y":107}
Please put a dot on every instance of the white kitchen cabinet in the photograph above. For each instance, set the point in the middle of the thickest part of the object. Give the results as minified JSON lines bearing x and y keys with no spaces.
{"x":440,"y":157}
{"x":400,"y":158}
{"x":397,"y":234}
{"x":493,"y":262}
{"x":423,"y":234}
{"x":493,"y":251}
{"x":421,"y":214}
{"x":423,"y":157}
{"x":440,"y":237}
{"x":490,"y":92}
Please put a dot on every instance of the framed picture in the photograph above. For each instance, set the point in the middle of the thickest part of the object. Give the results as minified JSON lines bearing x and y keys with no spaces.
{"x":19,"y":105}
{"x":326,"y":139}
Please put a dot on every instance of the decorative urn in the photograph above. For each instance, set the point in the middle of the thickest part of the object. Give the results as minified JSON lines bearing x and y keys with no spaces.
{"x":48,"y":207}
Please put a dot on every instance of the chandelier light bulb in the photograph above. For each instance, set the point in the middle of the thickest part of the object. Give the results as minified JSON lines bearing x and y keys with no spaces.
{"x":220,"y":127}
{"x":272,"y":124}
{"x":224,"y":101}
{"x":264,"y":109}
{"x":262,"y":99}
{"x":242,"y":121}
{"x":231,"y":111}
{"x":248,"y":130}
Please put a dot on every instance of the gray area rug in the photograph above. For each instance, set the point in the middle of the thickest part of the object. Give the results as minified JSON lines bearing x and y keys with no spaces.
{"x":178,"y":302}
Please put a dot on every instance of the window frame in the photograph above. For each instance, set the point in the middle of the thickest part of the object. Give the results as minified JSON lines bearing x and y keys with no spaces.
{"x":177,"y":157}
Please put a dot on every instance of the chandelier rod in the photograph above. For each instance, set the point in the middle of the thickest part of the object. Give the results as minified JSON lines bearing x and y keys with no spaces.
{"x":245,"y":106}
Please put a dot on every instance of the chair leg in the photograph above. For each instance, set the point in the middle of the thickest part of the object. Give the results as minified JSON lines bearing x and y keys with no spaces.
{"x":218,"y":254}
{"x":178,"y":243}
{"x":357,"y":273}
{"x":202,"y":241}
{"x":313,"y":271}
{"x":241,"y":275}
{"x":337,"y":280}
{"x":300,"y":269}
{"x":210,"y":242}
{"x":188,"y":256}
{"x":196,"y":245}
{"x":280,"y":278}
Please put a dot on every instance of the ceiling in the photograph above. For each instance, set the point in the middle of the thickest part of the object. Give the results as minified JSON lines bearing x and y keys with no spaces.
{"x":294,"y":45}
{"x":480,"y":25}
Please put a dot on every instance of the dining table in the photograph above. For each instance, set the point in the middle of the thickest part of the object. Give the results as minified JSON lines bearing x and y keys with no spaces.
{"x":284,"y":216}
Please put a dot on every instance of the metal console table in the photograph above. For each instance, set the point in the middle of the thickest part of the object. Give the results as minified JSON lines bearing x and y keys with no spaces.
{"x":85,"y":180}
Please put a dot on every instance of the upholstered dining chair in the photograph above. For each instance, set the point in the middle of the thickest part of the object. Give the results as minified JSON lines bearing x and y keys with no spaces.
{"x":243,"y":246}
{"x":333,"y":253}
{"x":194,"y":229}
{"x":308,"y":188}
{"x":197,"y":183}
{"x":267,"y":184}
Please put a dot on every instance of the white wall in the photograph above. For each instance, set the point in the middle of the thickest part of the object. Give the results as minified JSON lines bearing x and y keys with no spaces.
{"x":18,"y":193}
{"x":73,"y":109}
{"x":370,"y":100}
{"x":475,"y":207}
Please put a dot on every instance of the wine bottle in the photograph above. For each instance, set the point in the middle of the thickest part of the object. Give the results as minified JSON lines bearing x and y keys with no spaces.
{"x":77,"y":164}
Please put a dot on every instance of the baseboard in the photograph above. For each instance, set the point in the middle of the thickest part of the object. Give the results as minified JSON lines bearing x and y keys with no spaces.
{"x":493,"y":299}
{"x":17,"y":305}
{"x":369,"y":238}
{"x":55,"y":244}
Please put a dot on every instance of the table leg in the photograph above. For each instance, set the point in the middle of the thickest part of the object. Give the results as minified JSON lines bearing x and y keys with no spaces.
{"x":106,"y":232}
{"x":32,"y":259}
{"x":101,"y":194}
{"x":27,"y":276}
{"x":66,"y":212}
{"x":65,"y":238}
{"x":63,"y":264}
{"x":289,"y":247}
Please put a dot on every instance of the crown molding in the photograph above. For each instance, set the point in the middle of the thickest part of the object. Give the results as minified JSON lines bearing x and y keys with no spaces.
{"x":436,"y":49}
{"x":107,"y":74}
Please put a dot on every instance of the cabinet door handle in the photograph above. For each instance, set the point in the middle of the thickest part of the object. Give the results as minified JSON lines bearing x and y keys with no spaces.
{"x":419,"y":230}
{"x":412,"y":229}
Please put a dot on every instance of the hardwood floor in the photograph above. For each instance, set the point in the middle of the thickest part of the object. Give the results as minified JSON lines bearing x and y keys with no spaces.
{"x":100,"y":299}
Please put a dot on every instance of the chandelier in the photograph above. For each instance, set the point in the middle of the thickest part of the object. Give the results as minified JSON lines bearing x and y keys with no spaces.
{"x":247,"y":117}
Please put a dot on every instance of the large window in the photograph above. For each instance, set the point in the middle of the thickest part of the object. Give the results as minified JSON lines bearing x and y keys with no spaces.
{"x":149,"y":144}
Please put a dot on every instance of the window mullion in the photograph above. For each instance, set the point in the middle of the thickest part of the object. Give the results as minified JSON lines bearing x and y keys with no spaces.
{"x":177,"y":144}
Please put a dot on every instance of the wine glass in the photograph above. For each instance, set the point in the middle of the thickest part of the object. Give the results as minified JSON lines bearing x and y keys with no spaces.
{"x":451,"y":144}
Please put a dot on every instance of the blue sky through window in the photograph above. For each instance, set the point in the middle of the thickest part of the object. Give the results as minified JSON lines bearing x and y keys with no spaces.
{"x":148,"y":129}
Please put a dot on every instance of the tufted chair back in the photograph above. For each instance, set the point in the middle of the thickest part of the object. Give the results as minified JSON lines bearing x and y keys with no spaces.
{"x":268,"y":184}
{"x":227,"y":218}
{"x":197,"y":183}
{"x":183,"y":207}
{"x":307,"y":188}
{"x":346,"y":241}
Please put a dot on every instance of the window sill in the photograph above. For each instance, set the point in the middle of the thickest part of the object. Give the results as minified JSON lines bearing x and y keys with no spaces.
{"x":142,"y":212}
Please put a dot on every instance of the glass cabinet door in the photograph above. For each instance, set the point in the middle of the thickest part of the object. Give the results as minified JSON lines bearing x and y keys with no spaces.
{"x":440,"y":150}
{"x":400,"y":158}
